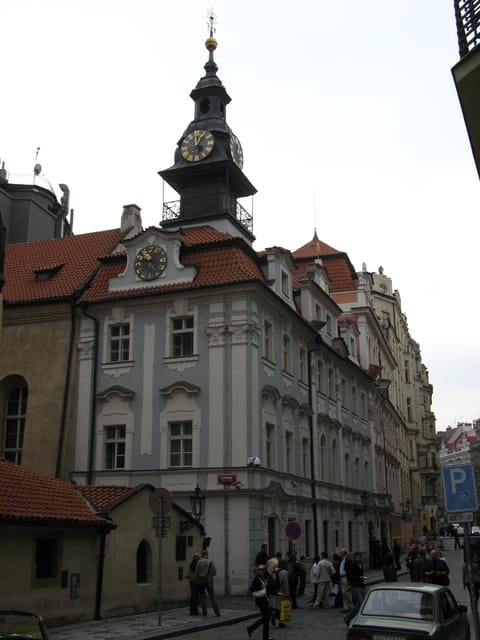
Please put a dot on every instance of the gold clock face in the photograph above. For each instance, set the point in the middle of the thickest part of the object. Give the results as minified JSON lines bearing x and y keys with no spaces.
{"x":236,"y":150}
{"x":151,"y":262}
{"x":197,"y":145}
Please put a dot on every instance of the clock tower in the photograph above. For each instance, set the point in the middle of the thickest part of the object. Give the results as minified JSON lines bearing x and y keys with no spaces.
{"x":207,"y":171}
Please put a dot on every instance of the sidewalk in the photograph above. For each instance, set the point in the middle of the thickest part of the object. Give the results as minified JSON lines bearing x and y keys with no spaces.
{"x":174,"y":622}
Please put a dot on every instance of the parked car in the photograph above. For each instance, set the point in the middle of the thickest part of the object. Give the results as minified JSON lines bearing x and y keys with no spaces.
{"x":22,"y":625}
{"x":475,"y":531}
{"x":411,"y":610}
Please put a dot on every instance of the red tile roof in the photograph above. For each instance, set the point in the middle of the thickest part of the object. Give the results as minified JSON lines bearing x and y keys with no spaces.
{"x":28,"y":496}
{"x":340,"y":270}
{"x":216,"y":264}
{"x":102,"y":496}
{"x":75,"y":257}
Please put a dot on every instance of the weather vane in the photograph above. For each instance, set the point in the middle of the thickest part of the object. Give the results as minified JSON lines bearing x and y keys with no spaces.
{"x":211,"y":22}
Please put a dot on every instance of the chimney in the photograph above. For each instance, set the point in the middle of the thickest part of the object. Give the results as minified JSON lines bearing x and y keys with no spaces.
{"x":131,"y":220}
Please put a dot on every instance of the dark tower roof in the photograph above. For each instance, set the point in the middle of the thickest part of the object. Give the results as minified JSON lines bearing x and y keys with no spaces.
{"x":207,"y":170}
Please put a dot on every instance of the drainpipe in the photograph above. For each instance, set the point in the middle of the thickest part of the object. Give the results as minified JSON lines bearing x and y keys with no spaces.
{"x":100,"y":571}
{"x":65,"y":394}
{"x":93,"y":399}
{"x":312,"y":448}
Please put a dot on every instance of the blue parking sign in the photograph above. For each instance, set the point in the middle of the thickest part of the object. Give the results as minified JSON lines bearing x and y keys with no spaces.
{"x":459,"y":488}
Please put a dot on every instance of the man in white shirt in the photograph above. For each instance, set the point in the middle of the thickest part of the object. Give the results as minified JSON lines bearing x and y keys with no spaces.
{"x":325,"y":572}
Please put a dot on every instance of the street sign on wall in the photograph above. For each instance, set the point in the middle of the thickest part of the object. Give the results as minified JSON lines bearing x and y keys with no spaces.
{"x":293,"y":530}
{"x":459,"y":488}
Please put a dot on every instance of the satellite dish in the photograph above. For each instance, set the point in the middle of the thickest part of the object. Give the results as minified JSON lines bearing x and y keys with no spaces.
{"x":37,"y":169}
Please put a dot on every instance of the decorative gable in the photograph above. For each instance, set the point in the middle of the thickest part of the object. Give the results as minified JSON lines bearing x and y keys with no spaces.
{"x":153,"y":260}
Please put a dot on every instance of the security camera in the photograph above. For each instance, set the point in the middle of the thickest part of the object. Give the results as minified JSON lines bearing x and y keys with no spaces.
{"x":254,"y":461}
{"x":237,"y":485}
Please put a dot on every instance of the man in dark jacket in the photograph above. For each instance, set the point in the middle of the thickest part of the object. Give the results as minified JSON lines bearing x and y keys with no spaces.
{"x":354,"y":571}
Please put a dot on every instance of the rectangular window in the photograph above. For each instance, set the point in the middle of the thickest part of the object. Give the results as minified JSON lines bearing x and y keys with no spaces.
{"x":285,"y":284}
{"x":46,"y":558}
{"x":181,"y":444}
{"x":267,"y":340}
{"x":269,"y":445}
{"x":286,"y":358}
{"x":306,"y":457}
{"x":302,"y":363}
{"x":288,"y":451}
{"x":115,"y":447}
{"x":331,"y":384}
{"x":329,"y":324}
{"x":180,"y":548}
{"x":182,"y":336}
{"x":406,"y":371}
{"x":320,"y":387}
{"x":119,"y":340}
{"x":409,"y":408}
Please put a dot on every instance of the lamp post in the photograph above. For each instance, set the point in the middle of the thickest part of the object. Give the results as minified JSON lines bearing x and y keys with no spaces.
{"x":197,"y":503}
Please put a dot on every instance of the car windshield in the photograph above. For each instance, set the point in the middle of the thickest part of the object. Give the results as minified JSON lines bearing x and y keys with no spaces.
{"x":399,"y":603}
{"x":17,"y":625}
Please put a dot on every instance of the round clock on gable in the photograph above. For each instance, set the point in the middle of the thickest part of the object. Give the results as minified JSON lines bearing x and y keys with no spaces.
{"x":197,"y":145}
{"x":150,"y":262}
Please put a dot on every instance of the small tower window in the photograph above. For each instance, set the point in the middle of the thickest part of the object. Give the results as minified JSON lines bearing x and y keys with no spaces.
{"x":205,"y":105}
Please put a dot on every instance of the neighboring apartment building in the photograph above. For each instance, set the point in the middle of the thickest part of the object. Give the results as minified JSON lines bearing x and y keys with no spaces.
{"x":185,"y":358}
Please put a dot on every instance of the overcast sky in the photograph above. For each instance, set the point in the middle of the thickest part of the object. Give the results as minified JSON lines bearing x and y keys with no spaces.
{"x":348,"y":118}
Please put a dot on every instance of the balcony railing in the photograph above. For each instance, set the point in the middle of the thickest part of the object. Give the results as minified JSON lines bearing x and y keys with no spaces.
{"x":467,"y":17}
{"x":172,"y":210}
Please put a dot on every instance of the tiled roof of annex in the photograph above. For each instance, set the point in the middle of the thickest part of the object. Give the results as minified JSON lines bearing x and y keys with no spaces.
{"x":70,"y":261}
{"x":28,"y":496}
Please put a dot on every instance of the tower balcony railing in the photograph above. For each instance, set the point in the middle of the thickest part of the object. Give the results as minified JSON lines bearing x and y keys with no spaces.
{"x":172,"y":210}
{"x":467,"y":17}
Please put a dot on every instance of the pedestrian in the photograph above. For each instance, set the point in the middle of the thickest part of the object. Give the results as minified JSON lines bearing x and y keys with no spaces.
{"x":344,"y":584}
{"x":411,"y":555}
{"x":354,"y":569}
{"x":475,"y":579}
{"x":293,"y":574}
{"x":336,"y":590}
{"x":384,"y":549}
{"x":389,"y":569}
{"x":193,"y":601}
{"x":280,"y":591}
{"x":436,"y":570}
{"x":457,"y":540}
{"x":418,"y":566}
{"x":314,"y":578}
{"x":325,"y":573}
{"x":397,"y":550}
{"x":262,"y":555}
{"x":205,"y":573}
{"x":259,"y":591}
{"x":302,"y":577}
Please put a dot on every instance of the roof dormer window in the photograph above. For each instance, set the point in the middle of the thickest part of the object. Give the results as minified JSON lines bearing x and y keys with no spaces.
{"x":43,"y":275}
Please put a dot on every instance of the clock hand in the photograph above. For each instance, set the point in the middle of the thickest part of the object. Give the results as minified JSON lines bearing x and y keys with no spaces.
{"x":198,"y":137}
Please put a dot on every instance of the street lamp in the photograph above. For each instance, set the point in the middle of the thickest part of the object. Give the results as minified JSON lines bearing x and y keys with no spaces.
{"x":197,"y":503}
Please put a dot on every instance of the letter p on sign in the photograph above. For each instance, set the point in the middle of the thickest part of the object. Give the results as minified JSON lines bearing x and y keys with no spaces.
{"x":459,"y":488}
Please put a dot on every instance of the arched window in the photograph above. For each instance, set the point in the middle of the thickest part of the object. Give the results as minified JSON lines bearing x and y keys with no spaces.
{"x":144,"y":562}
{"x":15,"y":423}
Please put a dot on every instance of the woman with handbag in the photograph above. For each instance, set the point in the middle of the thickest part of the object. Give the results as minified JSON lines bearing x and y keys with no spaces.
{"x":260,"y":591}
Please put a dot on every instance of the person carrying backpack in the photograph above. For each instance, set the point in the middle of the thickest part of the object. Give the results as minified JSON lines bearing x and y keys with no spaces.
{"x":279,"y":591}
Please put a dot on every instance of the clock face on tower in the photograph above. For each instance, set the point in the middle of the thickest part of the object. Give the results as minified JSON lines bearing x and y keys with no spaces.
{"x":197,"y":145}
{"x":236,"y":151}
{"x":150,"y":262}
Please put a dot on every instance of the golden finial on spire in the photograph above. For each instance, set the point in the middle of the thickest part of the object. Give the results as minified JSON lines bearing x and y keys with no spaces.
{"x":210,"y":43}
